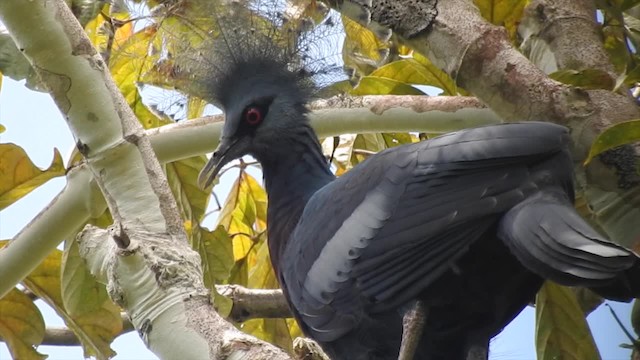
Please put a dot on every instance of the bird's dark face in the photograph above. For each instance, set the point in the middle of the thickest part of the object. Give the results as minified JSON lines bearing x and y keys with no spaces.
{"x":261,"y":102}
{"x":253,"y":127}
{"x":242,"y":126}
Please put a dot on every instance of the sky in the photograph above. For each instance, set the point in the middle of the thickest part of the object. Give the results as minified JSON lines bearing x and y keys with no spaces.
{"x":33,"y":122}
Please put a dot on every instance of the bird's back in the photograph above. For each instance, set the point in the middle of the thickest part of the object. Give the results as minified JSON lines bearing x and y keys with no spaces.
{"x":421,"y":222}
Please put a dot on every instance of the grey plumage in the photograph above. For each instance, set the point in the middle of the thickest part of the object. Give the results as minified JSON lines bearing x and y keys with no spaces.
{"x":469,"y":222}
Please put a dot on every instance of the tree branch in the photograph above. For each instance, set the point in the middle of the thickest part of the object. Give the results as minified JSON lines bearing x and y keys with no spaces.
{"x":560,"y":25}
{"x":255,"y":303}
{"x":339,"y":115}
{"x":167,"y":302}
{"x":247,"y":304}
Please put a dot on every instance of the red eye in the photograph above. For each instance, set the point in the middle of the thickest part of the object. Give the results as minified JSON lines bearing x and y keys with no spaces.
{"x":253,"y":116}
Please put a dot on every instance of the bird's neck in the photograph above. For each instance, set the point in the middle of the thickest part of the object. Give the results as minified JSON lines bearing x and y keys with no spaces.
{"x":293,"y":171}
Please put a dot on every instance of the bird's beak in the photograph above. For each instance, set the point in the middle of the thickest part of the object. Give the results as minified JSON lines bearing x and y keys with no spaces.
{"x":228,"y":150}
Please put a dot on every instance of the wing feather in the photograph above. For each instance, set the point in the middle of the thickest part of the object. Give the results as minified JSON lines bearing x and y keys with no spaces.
{"x":399,"y":220}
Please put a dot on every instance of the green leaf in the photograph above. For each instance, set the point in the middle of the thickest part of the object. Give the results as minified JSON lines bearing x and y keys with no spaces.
{"x":21,"y":325}
{"x":616,"y":46}
{"x":372,"y":85}
{"x":587,"y":78}
{"x":216,"y":250}
{"x":616,"y":135}
{"x":19,"y":176}
{"x":13,"y":64}
{"x":370,"y":143}
{"x":183,"y":180}
{"x":91,"y":314}
{"x":562,"y":332}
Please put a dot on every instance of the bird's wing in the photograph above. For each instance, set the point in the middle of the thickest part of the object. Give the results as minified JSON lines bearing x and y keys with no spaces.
{"x":549,"y":237}
{"x":395,"y":223}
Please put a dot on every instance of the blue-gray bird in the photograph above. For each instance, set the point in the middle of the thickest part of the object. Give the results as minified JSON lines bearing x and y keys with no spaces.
{"x":470,"y":223}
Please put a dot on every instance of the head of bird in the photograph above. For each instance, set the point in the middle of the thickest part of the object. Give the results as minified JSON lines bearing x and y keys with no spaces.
{"x":262,"y":101}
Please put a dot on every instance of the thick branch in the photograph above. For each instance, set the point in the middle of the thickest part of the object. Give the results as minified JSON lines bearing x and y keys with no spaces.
{"x":339,"y":115}
{"x":62,"y":336}
{"x":247,"y":304}
{"x":560,"y":25}
{"x":255,"y":303}
{"x":152,"y":273}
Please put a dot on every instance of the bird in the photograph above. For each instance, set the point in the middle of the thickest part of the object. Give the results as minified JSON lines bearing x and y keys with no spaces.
{"x":470,"y":224}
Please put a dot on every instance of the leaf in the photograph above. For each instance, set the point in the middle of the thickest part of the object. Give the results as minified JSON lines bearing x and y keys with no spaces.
{"x":616,"y":46}
{"x":371,"y":85}
{"x":261,"y":276}
{"x":629,"y":78}
{"x":616,"y":135}
{"x":396,"y":139}
{"x":412,"y":71}
{"x":21,"y":325}
{"x":587,"y":78}
{"x":370,"y":143}
{"x":362,"y":50}
{"x":13,"y":64}
{"x":183,"y":180}
{"x":92,"y":316}
{"x":130,"y":64}
{"x":19,"y":176}
{"x":244,"y":213}
{"x":562,"y":332}
{"x":342,"y":153}
{"x":216,"y":250}
{"x":505,"y":13}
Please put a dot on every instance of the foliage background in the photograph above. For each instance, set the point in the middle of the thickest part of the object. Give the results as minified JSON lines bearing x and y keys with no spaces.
{"x":246,"y":216}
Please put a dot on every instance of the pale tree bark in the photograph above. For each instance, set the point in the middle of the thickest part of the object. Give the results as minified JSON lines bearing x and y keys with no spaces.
{"x":144,"y":258}
{"x":477,"y":54}
{"x":550,"y":29}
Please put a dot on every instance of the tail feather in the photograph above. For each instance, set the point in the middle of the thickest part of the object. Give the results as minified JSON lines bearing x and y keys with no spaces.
{"x":549,"y":238}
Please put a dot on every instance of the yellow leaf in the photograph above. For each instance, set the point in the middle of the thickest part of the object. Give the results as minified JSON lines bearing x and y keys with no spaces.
{"x":195,"y":107}
{"x":21,"y":325}
{"x":244,"y":214}
{"x":19,"y":176}
{"x":362,"y":50}
{"x":417,"y":71}
{"x":129,"y":65}
{"x":261,"y":275}
{"x":505,"y":13}
{"x":562,"y":332}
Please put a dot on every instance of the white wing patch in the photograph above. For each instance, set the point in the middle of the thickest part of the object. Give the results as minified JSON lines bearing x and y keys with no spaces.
{"x":334,"y":265}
